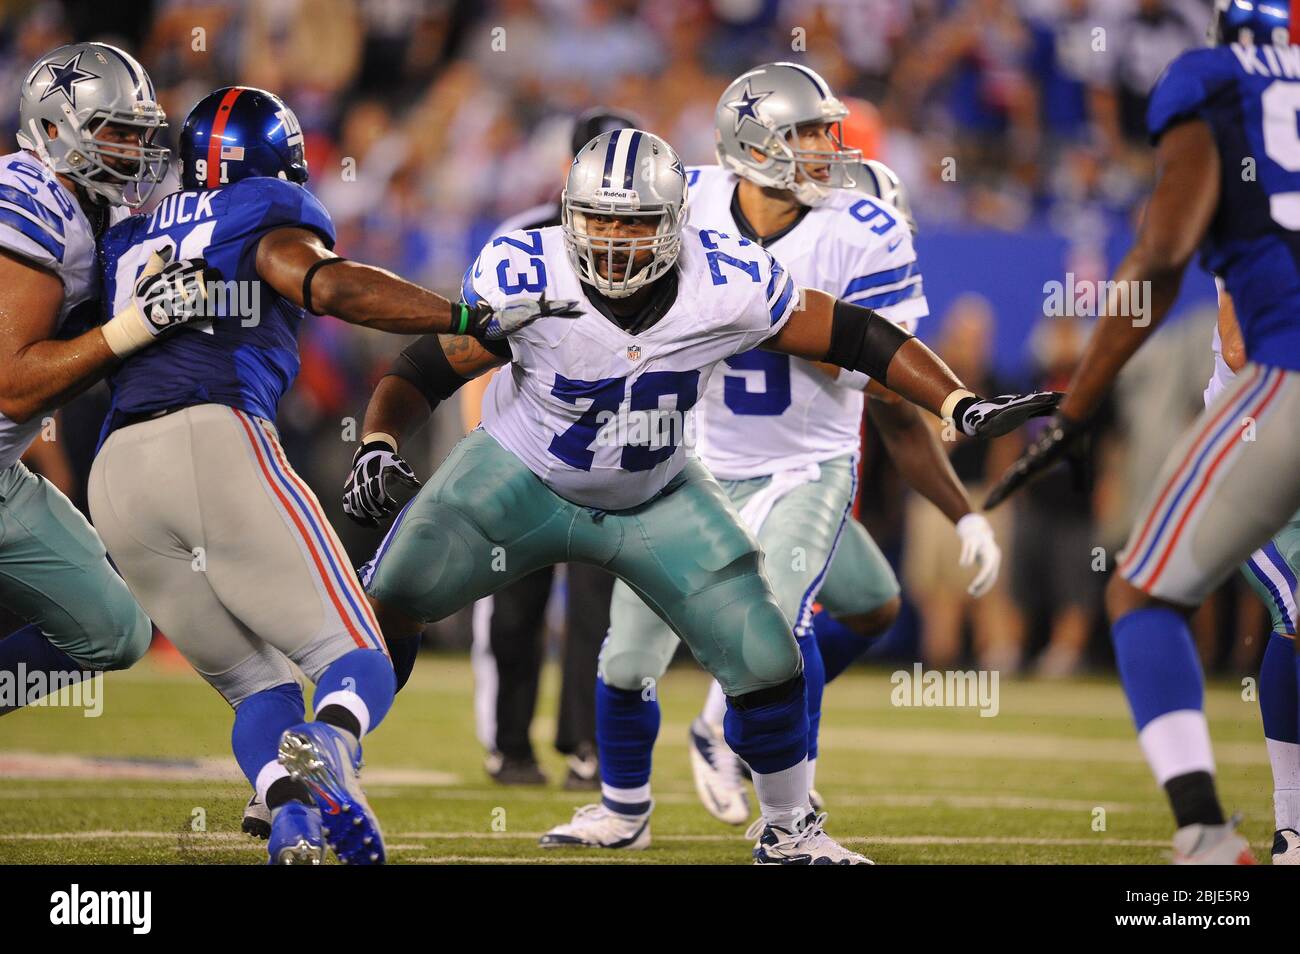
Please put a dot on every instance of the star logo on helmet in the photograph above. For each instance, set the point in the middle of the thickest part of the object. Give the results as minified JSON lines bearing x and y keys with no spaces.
{"x":64,"y":79}
{"x":746,"y":107}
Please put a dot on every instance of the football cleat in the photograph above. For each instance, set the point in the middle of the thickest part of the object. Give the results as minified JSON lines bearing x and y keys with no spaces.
{"x":1212,"y":845}
{"x":597,"y":826}
{"x":257,"y":819}
{"x":1286,"y":847}
{"x":295,"y":836}
{"x":328,"y":760}
{"x":717,"y":775}
{"x":509,"y":770}
{"x":584,"y":770}
{"x":806,"y":844}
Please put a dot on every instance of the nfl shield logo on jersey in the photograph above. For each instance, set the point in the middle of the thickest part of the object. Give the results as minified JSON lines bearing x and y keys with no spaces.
{"x":634,"y":352}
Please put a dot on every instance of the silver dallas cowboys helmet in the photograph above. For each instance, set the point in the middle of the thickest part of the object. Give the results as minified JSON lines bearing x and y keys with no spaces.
{"x":76,"y":89}
{"x":761,"y":110}
{"x":625,"y":172}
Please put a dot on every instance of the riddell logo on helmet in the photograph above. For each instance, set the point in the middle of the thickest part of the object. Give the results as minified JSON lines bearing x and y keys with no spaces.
{"x":619,"y":197}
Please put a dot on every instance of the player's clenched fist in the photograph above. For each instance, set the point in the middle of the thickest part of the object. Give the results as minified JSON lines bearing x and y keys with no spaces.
{"x":380,"y":482}
{"x":483,"y":322}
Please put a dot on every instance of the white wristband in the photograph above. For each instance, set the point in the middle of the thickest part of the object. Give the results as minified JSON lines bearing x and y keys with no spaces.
{"x":126,"y":332}
{"x":380,"y":436}
{"x":951,"y":401}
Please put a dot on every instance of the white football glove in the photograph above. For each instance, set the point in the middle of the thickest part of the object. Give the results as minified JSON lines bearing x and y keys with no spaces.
{"x":481,"y":321}
{"x":167,"y":295}
{"x":979,"y":548}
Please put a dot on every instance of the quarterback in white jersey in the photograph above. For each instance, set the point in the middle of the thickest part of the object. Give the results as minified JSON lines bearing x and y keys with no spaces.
{"x":581,"y":455}
{"x":88,"y":118}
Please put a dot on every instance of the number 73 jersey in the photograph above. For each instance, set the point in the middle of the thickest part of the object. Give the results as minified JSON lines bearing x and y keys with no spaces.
{"x":601,"y":415}
{"x":1250,"y":98}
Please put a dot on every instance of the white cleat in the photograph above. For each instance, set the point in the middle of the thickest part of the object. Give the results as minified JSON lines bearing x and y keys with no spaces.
{"x":807,"y":844}
{"x":596,"y":826}
{"x":1212,"y":845}
{"x":717,"y":775}
{"x":1286,"y":847}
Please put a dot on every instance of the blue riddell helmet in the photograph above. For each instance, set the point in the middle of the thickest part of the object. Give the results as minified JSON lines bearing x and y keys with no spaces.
{"x":237,"y":132}
{"x":1250,"y":21}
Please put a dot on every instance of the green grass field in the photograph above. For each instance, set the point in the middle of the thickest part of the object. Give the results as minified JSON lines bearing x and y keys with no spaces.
{"x":152,"y":780}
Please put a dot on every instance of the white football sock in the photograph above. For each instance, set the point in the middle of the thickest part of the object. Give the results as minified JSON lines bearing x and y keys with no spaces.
{"x":1176,"y":743}
{"x":271,"y":772}
{"x":626,"y":796}
{"x":1284,"y":757}
{"x":812,"y":773}
{"x":715,"y":707}
{"x":350,"y":701}
{"x":783,"y":795}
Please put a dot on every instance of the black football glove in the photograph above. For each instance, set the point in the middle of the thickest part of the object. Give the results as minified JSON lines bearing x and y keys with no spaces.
{"x":993,"y":417}
{"x":483,"y":322}
{"x":380,"y":484}
{"x":1065,"y":440}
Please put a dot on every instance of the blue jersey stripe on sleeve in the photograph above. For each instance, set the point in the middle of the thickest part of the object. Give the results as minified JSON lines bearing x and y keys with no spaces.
{"x":778,"y":310}
{"x":910,"y":290}
{"x":865,"y":282}
{"x":24,"y":201}
{"x":467,"y":292}
{"x":16,"y":220}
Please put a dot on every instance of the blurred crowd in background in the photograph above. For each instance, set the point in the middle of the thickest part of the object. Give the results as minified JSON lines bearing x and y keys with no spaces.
{"x":430,"y":121}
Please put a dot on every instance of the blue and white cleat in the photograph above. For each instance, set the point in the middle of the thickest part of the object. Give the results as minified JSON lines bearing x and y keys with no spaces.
{"x":295,"y":836}
{"x":597,"y":826}
{"x":1286,"y":847}
{"x":328,"y":761}
{"x":717,"y":775}
{"x":806,"y":844}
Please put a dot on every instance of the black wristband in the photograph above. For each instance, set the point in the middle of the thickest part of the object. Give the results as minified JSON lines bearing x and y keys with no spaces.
{"x":306,"y":280}
{"x":424,"y":364}
{"x":863,"y":340}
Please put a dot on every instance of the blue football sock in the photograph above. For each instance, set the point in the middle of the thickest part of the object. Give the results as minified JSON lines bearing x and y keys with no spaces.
{"x":30,"y":647}
{"x":1278,"y":702}
{"x":1157,"y":663}
{"x":356,"y":691}
{"x":627,"y":725}
{"x":839,"y":646}
{"x":815,"y":678}
{"x":769,"y":728}
{"x":260,"y":720}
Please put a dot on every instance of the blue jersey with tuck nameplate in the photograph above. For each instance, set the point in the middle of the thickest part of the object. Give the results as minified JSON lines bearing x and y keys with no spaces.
{"x":1250,"y":97}
{"x":247,"y":356}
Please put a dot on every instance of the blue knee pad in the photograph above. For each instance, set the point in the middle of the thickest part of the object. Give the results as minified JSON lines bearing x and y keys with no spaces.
{"x":366,"y":672}
{"x":768,"y":728}
{"x":814,"y":674}
{"x":627,"y":724}
{"x":260,"y":720}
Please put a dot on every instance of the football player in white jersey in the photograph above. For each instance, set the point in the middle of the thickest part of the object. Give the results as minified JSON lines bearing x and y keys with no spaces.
{"x":1271,"y":572}
{"x":583,"y":450}
{"x":88,"y":121}
{"x":782,"y":434}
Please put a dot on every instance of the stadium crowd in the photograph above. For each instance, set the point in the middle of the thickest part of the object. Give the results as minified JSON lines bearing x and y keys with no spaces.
{"x":430,"y":121}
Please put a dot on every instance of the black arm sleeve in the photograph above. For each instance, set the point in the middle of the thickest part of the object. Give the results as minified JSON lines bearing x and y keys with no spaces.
{"x":863,"y":340}
{"x":424,"y":364}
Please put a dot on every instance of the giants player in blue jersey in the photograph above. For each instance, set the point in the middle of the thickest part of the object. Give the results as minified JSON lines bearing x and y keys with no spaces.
{"x":1233,"y":481}
{"x":219,"y":539}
